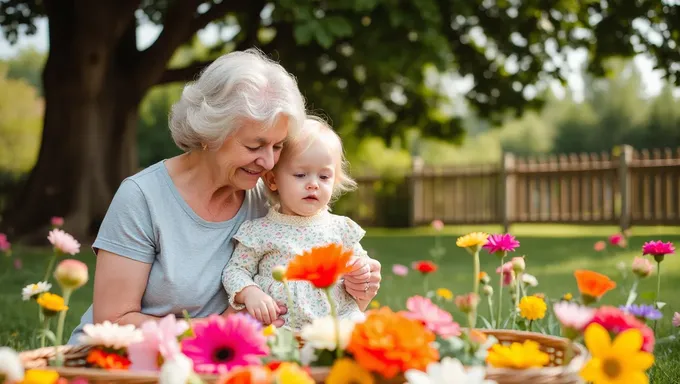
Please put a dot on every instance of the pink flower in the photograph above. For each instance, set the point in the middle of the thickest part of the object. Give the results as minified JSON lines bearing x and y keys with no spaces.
{"x":676,"y":319}
{"x":600,"y":246}
{"x":71,"y":274}
{"x":434,"y":318}
{"x":618,"y":240}
{"x":438,"y":225}
{"x":400,"y":270}
{"x":573,"y":315}
{"x":63,"y":242}
{"x":57,"y":221}
{"x":4,"y":244}
{"x":222,"y":343}
{"x":508,"y":273}
{"x":468,"y":302}
{"x":642,"y":267}
{"x":160,"y":340}
{"x":658,"y":248}
{"x":616,"y":321}
{"x":501,"y":243}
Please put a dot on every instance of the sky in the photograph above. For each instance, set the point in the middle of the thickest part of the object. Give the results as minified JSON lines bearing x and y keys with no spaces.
{"x":147,"y":34}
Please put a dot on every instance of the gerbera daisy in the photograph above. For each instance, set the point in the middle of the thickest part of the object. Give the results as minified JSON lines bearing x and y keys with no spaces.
{"x":473,"y":241}
{"x":221,"y":343}
{"x":501,"y":244}
{"x":321,"y":266}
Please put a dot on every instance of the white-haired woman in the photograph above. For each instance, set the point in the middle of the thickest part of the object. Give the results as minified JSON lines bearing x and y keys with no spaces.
{"x":168,"y":232}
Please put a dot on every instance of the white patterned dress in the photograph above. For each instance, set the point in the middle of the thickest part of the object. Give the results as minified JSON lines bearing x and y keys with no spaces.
{"x":276,"y":239}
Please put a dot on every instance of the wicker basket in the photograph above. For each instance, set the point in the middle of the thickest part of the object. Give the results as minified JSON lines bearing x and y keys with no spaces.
{"x":555,"y":373}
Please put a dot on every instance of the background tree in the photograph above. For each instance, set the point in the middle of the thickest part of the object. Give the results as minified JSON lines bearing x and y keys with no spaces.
{"x":346,"y":53}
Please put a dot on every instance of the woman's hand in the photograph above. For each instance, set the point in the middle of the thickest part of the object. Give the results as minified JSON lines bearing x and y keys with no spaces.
{"x":363,"y":281}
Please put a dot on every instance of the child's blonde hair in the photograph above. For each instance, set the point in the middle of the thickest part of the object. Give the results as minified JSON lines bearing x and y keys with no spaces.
{"x":314,"y":126}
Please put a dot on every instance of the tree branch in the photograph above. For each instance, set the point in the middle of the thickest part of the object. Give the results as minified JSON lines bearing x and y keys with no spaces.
{"x":182,"y":74}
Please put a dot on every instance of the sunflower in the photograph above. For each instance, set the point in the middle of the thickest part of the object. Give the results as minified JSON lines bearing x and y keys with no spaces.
{"x":321,"y":266}
{"x":620,"y":361}
{"x":348,"y":371}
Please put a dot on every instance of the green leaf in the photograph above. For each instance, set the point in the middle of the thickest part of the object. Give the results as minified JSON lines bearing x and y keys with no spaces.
{"x":303,"y":33}
{"x":338,"y":26}
{"x":324,"y":38}
{"x":651,"y":296}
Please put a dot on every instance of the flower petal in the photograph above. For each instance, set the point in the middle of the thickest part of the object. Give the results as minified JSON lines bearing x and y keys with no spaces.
{"x":597,"y":339}
{"x":592,"y":371}
{"x":627,"y":342}
{"x":640,"y":361}
{"x":635,"y":377}
{"x":414,"y":376}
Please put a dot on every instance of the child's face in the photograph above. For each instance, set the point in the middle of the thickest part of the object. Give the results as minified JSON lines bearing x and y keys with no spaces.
{"x":305,"y":180}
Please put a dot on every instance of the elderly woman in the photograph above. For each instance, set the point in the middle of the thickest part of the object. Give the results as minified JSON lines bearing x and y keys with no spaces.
{"x":168,"y":232}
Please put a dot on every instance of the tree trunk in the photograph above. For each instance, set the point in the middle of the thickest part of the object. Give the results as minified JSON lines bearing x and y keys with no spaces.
{"x":88,"y":143}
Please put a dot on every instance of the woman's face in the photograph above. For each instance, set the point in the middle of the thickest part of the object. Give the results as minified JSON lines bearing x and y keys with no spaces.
{"x":249,"y":152}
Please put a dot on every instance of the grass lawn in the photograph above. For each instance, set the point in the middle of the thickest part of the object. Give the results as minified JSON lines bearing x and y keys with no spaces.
{"x":553,"y":253}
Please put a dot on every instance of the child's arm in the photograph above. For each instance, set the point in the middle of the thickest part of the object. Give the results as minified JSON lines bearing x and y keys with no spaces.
{"x":237,"y":279}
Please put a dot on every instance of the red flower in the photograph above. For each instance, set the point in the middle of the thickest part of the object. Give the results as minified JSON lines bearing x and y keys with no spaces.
{"x":425,"y":266}
{"x":616,"y":321}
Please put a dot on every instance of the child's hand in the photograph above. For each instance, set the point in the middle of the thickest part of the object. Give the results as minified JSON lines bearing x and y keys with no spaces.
{"x":260,"y":305}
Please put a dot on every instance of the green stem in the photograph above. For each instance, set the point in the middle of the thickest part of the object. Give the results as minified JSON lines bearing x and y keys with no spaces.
{"x":426,"y":284}
{"x":50,"y":265}
{"x":488,"y":300}
{"x":658,"y":289}
{"x":334,"y":314}
{"x":475,"y":281}
{"x":531,"y":323}
{"x":500,"y":293}
{"x":46,"y":327}
{"x":633,"y":290}
{"x":62,"y":316}
{"x":291,"y":312}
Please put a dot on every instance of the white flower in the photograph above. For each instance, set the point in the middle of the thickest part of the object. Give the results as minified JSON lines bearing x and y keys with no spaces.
{"x":308,"y":355}
{"x":176,"y":370}
{"x":320,"y":334}
{"x":110,"y":335}
{"x":10,"y":366}
{"x":529,"y":280}
{"x":448,"y":371}
{"x":33,"y":290}
{"x":63,"y":242}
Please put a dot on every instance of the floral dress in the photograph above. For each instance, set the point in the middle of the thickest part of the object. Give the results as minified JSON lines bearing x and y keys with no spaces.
{"x":276,"y":239}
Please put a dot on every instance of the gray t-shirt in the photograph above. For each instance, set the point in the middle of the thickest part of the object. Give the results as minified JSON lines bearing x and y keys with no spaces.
{"x":149,"y":221}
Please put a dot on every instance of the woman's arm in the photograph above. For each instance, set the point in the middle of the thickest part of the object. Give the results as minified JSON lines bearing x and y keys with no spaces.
{"x":119,"y":284}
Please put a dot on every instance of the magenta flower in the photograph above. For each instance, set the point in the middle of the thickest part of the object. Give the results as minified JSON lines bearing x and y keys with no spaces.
{"x":160,"y":340}
{"x":57,"y":221}
{"x":222,"y":343}
{"x":434,"y":318}
{"x":618,"y":240}
{"x":507,"y":273}
{"x":676,"y":319}
{"x":501,"y":243}
{"x":658,"y":248}
{"x":4,"y":243}
{"x":400,"y":270}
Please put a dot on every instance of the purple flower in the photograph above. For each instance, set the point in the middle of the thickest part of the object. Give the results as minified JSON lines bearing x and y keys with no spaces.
{"x":642,"y":312}
{"x":501,"y":243}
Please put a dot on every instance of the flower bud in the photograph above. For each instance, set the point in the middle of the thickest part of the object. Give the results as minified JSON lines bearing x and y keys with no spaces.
{"x":71,"y":274}
{"x":487,"y":290}
{"x":279,"y":273}
{"x":518,"y":264}
{"x":467,"y":303}
{"x":642,"y":267}
{"x":484,"y":278}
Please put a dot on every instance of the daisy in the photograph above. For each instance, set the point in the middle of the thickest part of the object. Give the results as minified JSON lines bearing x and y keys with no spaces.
{"x":32,"y":291}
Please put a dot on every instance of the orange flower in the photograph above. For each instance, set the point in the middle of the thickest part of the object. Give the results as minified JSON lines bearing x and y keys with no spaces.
{"x":593,"y":285}
{"x":252,"y":374}
{"x":322,"y":266}
{"x":389,"y":343}
{"x":106,"y":360}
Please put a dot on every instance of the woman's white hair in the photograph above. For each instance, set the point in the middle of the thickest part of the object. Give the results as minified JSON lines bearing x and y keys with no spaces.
{"x":237,"y":87}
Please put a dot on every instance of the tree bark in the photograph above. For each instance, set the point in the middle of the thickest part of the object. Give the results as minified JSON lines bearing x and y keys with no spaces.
{"x":88,"y":142}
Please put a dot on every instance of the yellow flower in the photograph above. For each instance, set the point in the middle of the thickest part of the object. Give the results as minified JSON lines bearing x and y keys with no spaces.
{"x":532,"y":307}
{"x":347,"y":370}
{"x":375,"y":304}
{"x":51,"y":303}
{"x":567,"y":297}
{"x":472,"y":241}
{"x":620,"y":361}
{"x":39,"y":376}
{"x":518,"y":356}
{"x":445,"y":294}
{"x":291,"y":373}
{"x":270,"y":330}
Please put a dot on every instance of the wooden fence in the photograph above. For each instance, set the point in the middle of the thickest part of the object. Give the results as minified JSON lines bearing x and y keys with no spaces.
{"x":625,"y":188}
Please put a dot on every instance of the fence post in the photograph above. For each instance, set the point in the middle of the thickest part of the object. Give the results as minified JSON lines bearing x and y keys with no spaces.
{"x":625,"y":159}
{"x":416,"y":190}
{"x":507,"y":188}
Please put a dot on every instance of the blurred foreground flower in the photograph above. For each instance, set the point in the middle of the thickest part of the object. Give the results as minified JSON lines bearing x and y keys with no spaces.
{"x":321,"y":266}
{"x":448,"y":371}
{"x":517,"y":356}
{"x":11,"y":368}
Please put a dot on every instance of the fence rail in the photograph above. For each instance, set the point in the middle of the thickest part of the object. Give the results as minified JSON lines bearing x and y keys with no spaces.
{"x":625,"y":188}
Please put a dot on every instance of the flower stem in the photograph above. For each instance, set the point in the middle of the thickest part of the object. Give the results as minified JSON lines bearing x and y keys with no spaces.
{"x":62,"y":316}
{"x":658,"y":288}
{"x":334,"y":314}
{"x":633,"y":290}
{"x":41,"y":319}
{"x":500,"y":293}
{"x":475,"y":280}
{"x":488,"y":300}
{"x":426,"y":284}
{"x":46,"y":327}
{"x":50,"y":265}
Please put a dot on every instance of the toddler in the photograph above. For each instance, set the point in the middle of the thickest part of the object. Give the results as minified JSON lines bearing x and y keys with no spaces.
{"x":310,"y":173}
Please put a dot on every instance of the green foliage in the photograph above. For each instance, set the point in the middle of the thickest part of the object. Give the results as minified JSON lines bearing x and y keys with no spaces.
{"x":21,"y":112}
{"x":153,"y":135}
{"x":27,"y":65}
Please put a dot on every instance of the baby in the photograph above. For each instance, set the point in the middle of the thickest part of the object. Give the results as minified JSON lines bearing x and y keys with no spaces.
{"x":309,"y":175}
